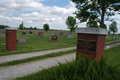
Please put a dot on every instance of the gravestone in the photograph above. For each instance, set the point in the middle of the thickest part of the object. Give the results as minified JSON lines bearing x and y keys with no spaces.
{"x":53,"y":38}
{"x":35,"y":32}
{"x":27,"y":36}
{"x":61,"y":34}
{"x":2,"y":35}
{"x":11,"y":39}
{"x":66,"y":35}
{"x":23,"y":33}
{"x":22,"y":41}
{"x":91,"y":42}
{"x":30,"y":32}
{"x":70,"y":37}
{"x":40,"y":34}
{"x":113,"y":37}
{"x":63,"y":44}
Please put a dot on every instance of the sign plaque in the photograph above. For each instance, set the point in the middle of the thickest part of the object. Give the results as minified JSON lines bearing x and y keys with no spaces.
{"x":86,"y":45}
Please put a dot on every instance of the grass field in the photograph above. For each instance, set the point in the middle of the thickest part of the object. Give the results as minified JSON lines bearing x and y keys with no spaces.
{"x":40,"y":44}
{"x":83,"y":71}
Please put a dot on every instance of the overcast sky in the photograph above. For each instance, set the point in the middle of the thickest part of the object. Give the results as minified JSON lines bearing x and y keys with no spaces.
{"x":35,"y":13}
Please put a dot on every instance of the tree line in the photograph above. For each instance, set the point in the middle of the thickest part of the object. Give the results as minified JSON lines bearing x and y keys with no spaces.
{"x":3,"y":26}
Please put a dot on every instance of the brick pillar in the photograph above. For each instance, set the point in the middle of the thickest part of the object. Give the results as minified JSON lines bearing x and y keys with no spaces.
{"x":91,"y":42}
{"x":11,"y":44}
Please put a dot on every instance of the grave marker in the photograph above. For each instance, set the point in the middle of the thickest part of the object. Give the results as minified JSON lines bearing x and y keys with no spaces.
{"x":11,"y":39}
{"x":2,"y":35}
{"x":22,"y":41}
{"x":61,"y":34}
{"x":30,"y":32}
{"x":40,"y":35}
{"x":27,"y":36}
{"x":66,"y":35}
{"x":91,"y":42}
{"x":23,"y":33}
{"x":35,"y":32}
{"x":70,"y":37}
{"x":54,"y":38}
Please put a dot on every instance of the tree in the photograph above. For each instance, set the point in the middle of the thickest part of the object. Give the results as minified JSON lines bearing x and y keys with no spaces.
{"x":46,"y":27}
{"x":71,"y":23}
{"x":21,"y":26}
{"x":92,"y":24}
{"x":113,"y":27}
{"x":31,"y":28}
{"x":105,"y":26}
{"x":35,"y":27}
{"x":4,"y":26}
{"x":96,"y":10}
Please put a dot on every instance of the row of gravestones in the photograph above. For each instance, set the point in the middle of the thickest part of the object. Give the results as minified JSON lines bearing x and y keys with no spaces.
{"x":40,"y":34}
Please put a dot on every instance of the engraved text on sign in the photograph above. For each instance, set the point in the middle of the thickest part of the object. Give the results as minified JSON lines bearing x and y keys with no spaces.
{"x":86,"y":45}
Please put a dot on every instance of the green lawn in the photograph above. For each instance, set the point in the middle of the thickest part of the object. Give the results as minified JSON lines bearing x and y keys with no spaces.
{"x":104,"y":70}
{"x":40,"y":44}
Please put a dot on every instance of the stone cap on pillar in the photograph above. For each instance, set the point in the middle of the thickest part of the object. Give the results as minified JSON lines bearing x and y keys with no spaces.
{"x":10,"y":28}
{"x":99,"y":31}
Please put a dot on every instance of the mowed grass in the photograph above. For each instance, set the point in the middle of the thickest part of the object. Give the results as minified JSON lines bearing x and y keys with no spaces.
{"x":15,"y":62}
{"x":41,"y":44}
{"x":113,"y":56}
{"x":38,"y":44}
{"x":108,"y":69}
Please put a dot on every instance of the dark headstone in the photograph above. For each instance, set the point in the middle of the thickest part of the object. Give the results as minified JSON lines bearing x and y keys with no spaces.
{"x":23,"y":33}
{"x":54,"y":38}
{"x":61,"y":34}
{"x":40,"y":35}
{"x":30,"y":32}
{"x":22,"y":41}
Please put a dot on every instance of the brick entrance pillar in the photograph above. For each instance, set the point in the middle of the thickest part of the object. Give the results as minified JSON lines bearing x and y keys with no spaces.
{"x":11,"y":44}
{"x":91,"y":42}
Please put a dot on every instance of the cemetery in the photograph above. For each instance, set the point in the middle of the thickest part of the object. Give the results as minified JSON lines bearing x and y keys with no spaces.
{"x":36,"y":42}
{"x":88,"y":51}
{"x":27,"y":42}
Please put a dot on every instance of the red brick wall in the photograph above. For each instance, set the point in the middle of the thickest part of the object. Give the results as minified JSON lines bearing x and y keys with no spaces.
{"x":11,"y":40}
{"x":100,"y":45}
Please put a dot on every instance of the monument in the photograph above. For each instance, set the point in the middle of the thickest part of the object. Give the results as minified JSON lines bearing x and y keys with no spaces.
{"x":23,"y":33}
{"x":30,"y":32}
{"x":11,"y":44}
{"x":91,"y":42}
{"x":61,"y":34}
{"x":53,"y":38}
{"x":22,"y":41}
{"x":40,"y":34}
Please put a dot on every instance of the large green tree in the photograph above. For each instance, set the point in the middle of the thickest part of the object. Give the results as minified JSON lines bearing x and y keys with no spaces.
{"x":46,"y":27}
{"x":113,"y":27}
{"x":96,"y":10}
{"x":4,"y":26}
{"x":21,"y":26}
{"x":92,"y":24}
{"x":71,"y":23}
